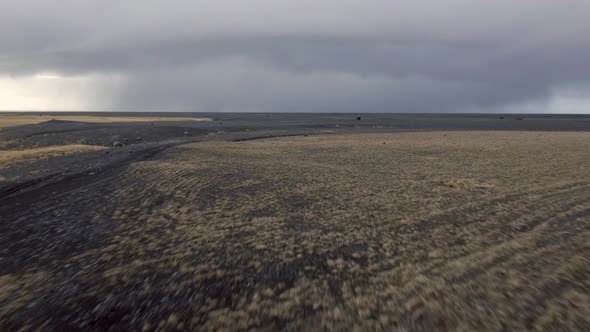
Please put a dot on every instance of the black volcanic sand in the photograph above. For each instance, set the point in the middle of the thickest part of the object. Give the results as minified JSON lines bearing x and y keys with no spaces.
{"x":478,"y":223}
{"x":69,"y":132}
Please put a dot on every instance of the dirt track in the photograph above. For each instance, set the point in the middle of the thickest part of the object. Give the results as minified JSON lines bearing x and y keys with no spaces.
{"x":411,"y":231}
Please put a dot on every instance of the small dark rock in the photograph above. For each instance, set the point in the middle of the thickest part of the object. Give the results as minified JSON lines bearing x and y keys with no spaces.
{"x":186,"y":133}
{"x":117,"y":144}
{"x":358,"y":117}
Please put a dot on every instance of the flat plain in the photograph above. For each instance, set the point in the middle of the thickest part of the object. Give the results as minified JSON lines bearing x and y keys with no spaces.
{"x":10,"y":120}
{"x":317,"y":225}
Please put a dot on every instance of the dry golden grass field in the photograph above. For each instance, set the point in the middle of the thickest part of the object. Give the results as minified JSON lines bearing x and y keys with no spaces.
{"x":11,"y":120}
{"x":466,"y":231}
{"x":10,"y":157}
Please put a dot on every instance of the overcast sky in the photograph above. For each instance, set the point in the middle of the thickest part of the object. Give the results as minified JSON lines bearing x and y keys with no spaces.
{"x":304,"y":55}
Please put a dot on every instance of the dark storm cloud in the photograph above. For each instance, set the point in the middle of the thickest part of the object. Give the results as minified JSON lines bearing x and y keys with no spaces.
{"x":453,"y":55}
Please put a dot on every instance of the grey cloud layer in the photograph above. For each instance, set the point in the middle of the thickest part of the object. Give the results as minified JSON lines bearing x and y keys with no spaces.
{"x":452,"y":55}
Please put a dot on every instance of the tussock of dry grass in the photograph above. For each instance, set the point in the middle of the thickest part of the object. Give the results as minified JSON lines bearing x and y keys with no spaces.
{"x":11,"y":157}
{"x":17,"y":120}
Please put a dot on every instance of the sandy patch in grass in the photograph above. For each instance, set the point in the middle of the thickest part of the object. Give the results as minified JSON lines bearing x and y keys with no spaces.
{"x":18,"y":120}
{"x":15,"y":156}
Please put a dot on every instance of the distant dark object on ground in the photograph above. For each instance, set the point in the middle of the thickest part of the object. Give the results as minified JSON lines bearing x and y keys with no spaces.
{"x":519,"y":118}
{"x":358,"y":117}
{"x":501,"y":118}
{"x":186,"y":133}
{"x":117,"y":144}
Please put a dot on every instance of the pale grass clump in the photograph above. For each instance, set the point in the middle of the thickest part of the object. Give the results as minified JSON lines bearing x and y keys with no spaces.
{"x":10,"y":157}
